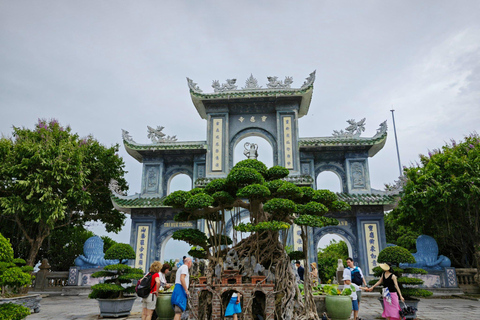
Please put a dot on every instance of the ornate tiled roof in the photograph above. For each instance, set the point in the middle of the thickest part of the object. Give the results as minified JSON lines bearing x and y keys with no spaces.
{"x":137,"y":150}
{"x":124,"y":203}
{"x":372,"y":144}
{"x":354,"y":199}
{"x":274,"y":88}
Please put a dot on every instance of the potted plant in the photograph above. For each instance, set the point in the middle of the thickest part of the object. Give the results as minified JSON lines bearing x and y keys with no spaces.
{"x":15,"y":278}
{"x":408,"y":286}
{"x":338,"y":303}
{"x":114,"y":296}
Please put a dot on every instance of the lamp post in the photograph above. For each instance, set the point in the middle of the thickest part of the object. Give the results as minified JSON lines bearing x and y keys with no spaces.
{"x":396,"y":143}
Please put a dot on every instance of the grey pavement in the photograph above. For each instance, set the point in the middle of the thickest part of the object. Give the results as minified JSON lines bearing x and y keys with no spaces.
{"x":80,"y":307}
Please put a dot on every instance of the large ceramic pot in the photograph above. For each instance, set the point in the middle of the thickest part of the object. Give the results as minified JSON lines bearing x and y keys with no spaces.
{"x":116,"y":307}
{"x":338,"y":307}
{"x":164,"y":307}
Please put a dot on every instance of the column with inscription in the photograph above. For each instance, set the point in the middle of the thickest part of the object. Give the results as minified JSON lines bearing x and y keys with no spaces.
{"x":371,"y":245}
{"x":141,"y":247}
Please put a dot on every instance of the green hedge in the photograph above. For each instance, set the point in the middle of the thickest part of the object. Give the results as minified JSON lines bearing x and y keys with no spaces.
{"x":11,"y":311}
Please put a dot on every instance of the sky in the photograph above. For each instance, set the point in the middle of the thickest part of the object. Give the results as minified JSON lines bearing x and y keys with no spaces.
{"x":103,"y":66}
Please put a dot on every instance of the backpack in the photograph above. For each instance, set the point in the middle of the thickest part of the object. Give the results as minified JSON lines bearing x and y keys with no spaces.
{"x":356,"y":276}
{"x":144,"y":285}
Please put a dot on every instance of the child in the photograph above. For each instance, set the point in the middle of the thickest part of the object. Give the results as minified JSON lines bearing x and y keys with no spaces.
{"x":348,"y":284}
{"x":234,"y":306}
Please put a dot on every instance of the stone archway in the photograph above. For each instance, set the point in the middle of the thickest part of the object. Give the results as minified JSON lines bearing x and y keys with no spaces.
{"x":170,"y":174}
{"x":349,"y":238}
{"x":259,"y":132}
{"x":336,"y":168}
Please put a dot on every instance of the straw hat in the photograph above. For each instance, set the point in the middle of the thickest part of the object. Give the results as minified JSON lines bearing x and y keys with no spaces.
{"x":313,"y":264}
{"x":384,"y":266}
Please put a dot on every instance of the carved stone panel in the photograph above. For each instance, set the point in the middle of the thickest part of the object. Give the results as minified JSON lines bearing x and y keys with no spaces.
{"x":358,"y":175}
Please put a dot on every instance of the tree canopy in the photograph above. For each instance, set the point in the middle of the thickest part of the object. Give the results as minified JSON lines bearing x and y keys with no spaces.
{"x":441,"y":198}
{"x":51,"y":177}
{"x":274,"y":205}
{"x":328,"y":259}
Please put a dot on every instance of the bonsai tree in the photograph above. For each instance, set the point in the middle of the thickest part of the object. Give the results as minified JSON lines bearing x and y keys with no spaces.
{"x":274,"y":205}
{"x":396,"y":255}
{"x":14,"y":275}
{"x":14,"y":280}
{"x":116,"y":274}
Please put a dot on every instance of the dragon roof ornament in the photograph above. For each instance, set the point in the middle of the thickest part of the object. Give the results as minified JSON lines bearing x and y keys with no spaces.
{"x":355,"y":129}
{"x":157,"y":136}
{"x":251,"y":84}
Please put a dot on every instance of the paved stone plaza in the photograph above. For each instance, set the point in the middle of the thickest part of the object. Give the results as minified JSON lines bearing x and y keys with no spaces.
{"x":80,"y":307}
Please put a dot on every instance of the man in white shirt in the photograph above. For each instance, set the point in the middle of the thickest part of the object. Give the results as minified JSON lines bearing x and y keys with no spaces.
{"x":180,"y":293}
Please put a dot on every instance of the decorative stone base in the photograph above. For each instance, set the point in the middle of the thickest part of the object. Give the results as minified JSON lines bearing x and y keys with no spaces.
{"x":31,"y":301}
{"x":248,"y":291}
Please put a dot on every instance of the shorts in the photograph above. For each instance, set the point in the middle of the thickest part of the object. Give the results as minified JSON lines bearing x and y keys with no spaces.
{"x":150,"y":302}
{"x":354,"y":305}
{"x":177,"y":309}
{"x":359,"y":295}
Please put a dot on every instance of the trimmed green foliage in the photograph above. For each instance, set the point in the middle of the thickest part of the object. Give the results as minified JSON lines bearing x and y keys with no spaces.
{"x":277,"y":172}
{"x":254,"y":192}
{"x":308,"y":194}
{"x":199,"y":201}
{"x":315,"y":221}
{"x":337,"y":206}
{"x":325,"y":197}
{"x":222,"y":198}
{"x":258,"y":166}
{"x":395,"y":255}
{"x":116,"y":274}
{"x":183,"y":216}
{"x":265,"y":225}
{"x":193,"y":237}
{"x":197,"y":252}
{"x":13,"y":273}
{"x":241,"y":177}
{"x":296,"y":255}
{"x":407,"y":280}
{"x":6,"y":250}
{"x":280,"y":208}
{"x":312,"y":208}
{"x":177,"y":199}
{"x":215,"y":186}
{"x":415,"y":271}
{"x":274,"y":185}
{"x":290,"y":191}
{"x":415,"y":292}
{"x":121,"y":251}
{"x":11,"y":311}
{"x":196,"y":191}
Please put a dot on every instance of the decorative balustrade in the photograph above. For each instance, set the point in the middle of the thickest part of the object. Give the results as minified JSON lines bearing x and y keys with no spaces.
{"x":466,"y":280}
{"x":46,"y":280}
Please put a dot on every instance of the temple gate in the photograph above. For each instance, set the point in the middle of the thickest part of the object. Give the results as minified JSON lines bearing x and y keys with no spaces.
{"x":270,"y":112}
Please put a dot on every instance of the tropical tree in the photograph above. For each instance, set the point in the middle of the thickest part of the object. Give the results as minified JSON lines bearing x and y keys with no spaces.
{"x":441,"y":198}
{"x":328,"y":259}
{"x":51,"y":178}
{"x":274,"y":205}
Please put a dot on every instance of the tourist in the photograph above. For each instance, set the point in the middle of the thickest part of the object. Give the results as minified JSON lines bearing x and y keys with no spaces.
{"x":391,"y":292}
{"x":348,"y":284}
{"x":163,"y":279}
{"x":314,"y":274}
{"x":149,"y":303}
{"x":300,"y":270}
{"x":234,"y":307}
{"x":180,"y":292}
{"x":355,"y":274}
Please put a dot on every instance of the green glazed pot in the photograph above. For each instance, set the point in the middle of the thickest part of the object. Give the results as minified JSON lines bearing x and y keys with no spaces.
{"x":164,"y":307}
{"x":338,"y":307}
